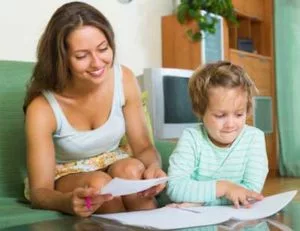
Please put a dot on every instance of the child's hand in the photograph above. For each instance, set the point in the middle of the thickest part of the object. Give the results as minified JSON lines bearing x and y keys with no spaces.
{"x":238,"y":194}
{"x":85,"y":201}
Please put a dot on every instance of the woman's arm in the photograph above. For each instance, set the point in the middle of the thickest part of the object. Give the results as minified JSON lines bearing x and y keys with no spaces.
{"x":136,"y":128}
{"x":137,"y":131}
{"x":39,"y":126}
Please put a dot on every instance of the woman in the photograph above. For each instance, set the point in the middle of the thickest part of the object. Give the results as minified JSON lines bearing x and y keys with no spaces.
{"x":79,"y":104}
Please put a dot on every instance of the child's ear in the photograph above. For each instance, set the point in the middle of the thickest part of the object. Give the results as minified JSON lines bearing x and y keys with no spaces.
{"x":249,"y":112}
{"x":199,"y":117}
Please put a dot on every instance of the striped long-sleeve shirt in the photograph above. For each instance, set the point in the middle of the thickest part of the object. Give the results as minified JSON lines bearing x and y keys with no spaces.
{"x":197,"y":164}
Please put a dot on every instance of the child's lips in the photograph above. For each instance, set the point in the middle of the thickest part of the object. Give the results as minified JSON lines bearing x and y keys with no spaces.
{"x":231,"y":131}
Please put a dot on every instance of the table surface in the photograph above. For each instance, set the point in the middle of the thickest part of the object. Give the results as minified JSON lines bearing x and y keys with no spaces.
{"x":287,"y":219}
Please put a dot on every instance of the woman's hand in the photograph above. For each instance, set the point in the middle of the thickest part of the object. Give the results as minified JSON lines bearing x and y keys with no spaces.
{"x":153,"y":171}
{"x":239,"y":195}
{"x":85,"y":201}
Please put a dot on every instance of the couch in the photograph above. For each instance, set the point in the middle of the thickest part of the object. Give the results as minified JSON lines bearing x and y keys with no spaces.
{"x":14,"y":210}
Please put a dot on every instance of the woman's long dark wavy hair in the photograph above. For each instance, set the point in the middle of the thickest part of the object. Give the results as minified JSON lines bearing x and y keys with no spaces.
{"x":51,"y":71}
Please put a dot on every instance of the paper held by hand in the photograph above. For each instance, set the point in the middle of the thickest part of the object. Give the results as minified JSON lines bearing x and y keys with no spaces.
{"x":121,"y":187}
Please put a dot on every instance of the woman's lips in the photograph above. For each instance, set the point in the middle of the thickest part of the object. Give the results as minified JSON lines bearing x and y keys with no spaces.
{"x":97,"y":73}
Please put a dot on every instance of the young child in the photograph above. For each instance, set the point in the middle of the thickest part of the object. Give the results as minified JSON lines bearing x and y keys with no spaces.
{"x":222,"y":160}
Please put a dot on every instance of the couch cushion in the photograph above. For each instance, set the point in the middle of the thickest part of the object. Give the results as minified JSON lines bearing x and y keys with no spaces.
{"x":165,"y":148}
{"x":13,"y":213}
{"x":13,"y":78}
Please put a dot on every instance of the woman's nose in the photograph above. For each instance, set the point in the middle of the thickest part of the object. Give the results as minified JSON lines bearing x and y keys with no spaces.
{"x":96,"y":61}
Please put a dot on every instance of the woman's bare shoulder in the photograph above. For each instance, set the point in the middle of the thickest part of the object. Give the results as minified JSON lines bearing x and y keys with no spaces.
{"x":39,"y":103}
{"x":128,"y":74}
{"x":130,"y":83}
{"x":39,"y":111}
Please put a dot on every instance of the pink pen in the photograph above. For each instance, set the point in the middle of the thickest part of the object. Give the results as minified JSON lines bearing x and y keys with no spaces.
{"x":88,"y":203}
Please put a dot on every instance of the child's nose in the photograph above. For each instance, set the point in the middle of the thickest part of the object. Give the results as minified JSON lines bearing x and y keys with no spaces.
{"x":229,"y":122}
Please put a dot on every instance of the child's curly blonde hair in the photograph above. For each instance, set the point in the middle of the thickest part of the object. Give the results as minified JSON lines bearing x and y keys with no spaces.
{"x":219,"y":74}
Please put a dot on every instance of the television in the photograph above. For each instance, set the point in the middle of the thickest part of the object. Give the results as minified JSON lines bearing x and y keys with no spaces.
{"x":168,"y":101}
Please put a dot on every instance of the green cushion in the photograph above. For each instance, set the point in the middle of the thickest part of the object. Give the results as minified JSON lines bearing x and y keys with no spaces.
{"x":13,"y":78}
{"x":13,"y":213}
{"x":165,"y":148}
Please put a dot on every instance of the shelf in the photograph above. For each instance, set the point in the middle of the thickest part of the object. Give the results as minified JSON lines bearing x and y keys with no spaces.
{"x":252,"y":9}
{"x":252,"y":18}
{"x":258,"y":67}
{"x":244,"y":53}
{"x":248,"y":33}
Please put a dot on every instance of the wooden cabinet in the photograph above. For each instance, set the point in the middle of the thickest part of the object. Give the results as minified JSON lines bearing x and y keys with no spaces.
{"x":177,"y":50}
{"x":251,"y":30}
{"x":239,"y":6}
{"x":256,"y":24}
{"x":258,"y":67}
{"x":254,"y":9}
{"x":249,"y":8}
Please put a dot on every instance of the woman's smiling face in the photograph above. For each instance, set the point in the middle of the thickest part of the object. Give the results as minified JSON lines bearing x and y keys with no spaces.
{"x":90,"y":56}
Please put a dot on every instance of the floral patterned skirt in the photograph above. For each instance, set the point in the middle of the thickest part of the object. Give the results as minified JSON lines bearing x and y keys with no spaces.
{"x":95,"y":163}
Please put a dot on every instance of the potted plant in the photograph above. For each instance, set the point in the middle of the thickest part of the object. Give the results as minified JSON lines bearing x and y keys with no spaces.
{"x":201,"y":11}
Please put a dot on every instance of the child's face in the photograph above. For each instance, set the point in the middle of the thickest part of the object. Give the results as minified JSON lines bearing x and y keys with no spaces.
{"x":225,"y":115}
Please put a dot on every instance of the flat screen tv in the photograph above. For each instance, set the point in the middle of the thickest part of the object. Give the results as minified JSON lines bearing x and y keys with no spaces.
{"x":168,"y":101}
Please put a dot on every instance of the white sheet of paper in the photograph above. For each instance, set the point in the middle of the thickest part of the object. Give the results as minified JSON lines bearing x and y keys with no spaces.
{"x":167,"y":218}
{"x":174,"y":218}
{"x":261,"y":209}
{"x":121,"y":187}
{"x":265,"y":208}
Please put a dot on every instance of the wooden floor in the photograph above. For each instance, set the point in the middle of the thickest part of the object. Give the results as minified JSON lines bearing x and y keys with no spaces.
{"x":275,"y":185}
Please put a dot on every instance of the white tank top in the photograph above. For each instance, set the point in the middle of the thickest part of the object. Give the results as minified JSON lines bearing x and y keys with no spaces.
{"x":71,"y":144}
